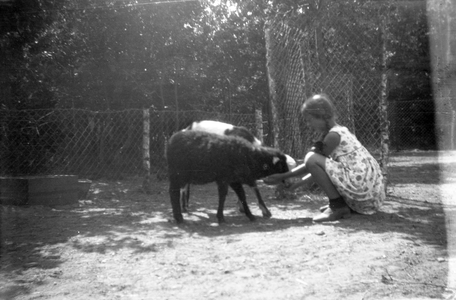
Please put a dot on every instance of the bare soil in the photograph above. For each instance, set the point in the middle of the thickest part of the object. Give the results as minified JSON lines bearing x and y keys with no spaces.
{"x":123,"y":244}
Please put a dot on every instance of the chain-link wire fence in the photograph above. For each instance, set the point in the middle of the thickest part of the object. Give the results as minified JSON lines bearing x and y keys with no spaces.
{"x":70,"y":142}
{"x":110,"y":144}
{"x":92,"y":144}
{"x":337,"y":55}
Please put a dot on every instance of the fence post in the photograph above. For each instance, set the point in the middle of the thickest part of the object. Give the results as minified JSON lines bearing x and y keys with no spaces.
{"x":176,"y":101}
{"x":259,"y":123}
{"x":101,"y":143}
{"x":384,"y":128}
{"x":146,"y":151}
{"x":273,"y":113}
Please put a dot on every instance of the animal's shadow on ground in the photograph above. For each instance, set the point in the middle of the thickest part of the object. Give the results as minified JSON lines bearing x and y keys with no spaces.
{"x":423,"y":221}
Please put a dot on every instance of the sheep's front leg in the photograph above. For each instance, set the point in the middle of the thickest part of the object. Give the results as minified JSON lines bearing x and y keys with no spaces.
{"x":239,"y":190}
{"x":266,"y":213}
{"x":222,"y":191}
{"x":174,"y":193}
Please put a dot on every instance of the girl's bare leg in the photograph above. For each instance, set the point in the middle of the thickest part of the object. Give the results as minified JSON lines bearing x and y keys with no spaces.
{"x":315,"y":164}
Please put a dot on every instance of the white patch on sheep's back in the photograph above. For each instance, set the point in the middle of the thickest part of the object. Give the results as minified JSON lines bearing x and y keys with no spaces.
{"x":219,"y":128}
{"x":211,"y":126}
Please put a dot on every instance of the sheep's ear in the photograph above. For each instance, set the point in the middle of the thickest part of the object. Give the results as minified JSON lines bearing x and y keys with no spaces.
{"x":275,"y":160}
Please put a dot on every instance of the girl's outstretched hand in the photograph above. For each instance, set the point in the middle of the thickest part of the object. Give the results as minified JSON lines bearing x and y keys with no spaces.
{"x":273,"y":179}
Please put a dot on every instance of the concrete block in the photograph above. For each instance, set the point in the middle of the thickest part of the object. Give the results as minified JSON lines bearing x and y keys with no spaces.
{"x":39,"y":190}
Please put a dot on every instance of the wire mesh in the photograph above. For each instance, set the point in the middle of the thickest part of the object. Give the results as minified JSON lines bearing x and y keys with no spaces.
{"x":335,"y":56}
{"x":109,"y":144}
{"x":92,"y":144}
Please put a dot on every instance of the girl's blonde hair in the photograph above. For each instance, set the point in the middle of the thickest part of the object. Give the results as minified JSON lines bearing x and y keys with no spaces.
{"x":319,"y":106}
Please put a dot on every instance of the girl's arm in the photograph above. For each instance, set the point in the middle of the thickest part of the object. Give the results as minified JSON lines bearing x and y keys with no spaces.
{"x":330,"y":142}
{"x":297,"y":171}
{"x":277,"y":178}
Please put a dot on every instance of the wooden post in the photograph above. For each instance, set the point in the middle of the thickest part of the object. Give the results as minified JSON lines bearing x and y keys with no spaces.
{"x":176,"y":100}
{"x":259,"y":123}
{"x":146,"y":141}
{"x":384,"y":130}
{"x":273,"y":118}
{"x":162,"y":137}
{"x":146,"y":151}
{"x":273,"y":112}
{"x":101,"y":141}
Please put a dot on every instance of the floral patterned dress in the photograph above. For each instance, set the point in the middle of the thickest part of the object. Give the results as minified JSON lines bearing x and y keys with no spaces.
{"x":355,"y":173}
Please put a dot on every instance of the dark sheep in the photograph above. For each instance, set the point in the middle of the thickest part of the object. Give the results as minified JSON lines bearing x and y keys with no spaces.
{"x":220,"y":128}
{"x":197,"y":157}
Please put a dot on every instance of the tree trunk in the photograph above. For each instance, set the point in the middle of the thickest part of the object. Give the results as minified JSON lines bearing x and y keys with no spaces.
{"x":176,"y":100}
{"x":146,"y":141}
{"x":146,"y":151}
{"x":259,"y":124}
{"x":384,"y":130}
{"x":273,"y":114}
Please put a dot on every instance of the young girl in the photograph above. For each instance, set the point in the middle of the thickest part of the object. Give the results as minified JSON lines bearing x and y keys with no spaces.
{"x":339,"y":164}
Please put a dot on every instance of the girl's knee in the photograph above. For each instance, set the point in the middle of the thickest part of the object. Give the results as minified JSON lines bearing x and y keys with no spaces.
{"x":308,"y":158}
{"x":313,"y":159}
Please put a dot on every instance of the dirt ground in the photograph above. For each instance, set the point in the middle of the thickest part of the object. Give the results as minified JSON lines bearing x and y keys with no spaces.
{"x":122,"y":244}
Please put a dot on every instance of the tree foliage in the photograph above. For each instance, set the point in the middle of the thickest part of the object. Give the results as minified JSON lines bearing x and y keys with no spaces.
{"x":115,"y":55}
{"x":195,"y":55}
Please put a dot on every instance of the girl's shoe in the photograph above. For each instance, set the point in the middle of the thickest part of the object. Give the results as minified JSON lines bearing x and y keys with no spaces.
{"x":325,"y":207}
{"x":333,"y":214}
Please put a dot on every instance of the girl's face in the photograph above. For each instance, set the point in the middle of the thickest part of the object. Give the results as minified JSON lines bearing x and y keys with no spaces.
{"x":315,"y":123}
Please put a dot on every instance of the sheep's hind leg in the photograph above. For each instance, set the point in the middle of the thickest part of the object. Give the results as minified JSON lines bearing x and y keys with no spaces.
{"x":266,"y":213}
{"x":185,"y":196}
{"x":174,"y":193}
{"x":239,"y":190}
{"x":222,"y":191}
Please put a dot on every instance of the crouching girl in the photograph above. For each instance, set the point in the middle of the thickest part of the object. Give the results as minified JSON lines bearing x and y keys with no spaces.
{"x":339,"y":164}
